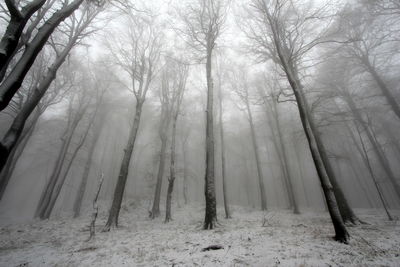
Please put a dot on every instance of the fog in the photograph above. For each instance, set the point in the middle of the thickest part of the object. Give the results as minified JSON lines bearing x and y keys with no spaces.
{"x":204,"y":118}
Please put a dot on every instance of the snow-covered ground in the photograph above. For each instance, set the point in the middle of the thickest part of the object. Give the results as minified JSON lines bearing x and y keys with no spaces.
{"x":284,"y":240}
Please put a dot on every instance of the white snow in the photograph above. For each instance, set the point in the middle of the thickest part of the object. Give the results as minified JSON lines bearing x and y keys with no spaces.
{"x":284,"y":240}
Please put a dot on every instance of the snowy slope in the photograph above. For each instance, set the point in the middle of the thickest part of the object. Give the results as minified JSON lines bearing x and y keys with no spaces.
{"x":284,"y":240}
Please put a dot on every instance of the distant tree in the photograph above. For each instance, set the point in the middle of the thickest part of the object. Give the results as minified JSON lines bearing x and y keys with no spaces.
{"x":180,"y":74}
{"x":80,"y":102}
{"x":240,"y":85}
{"x":220,"y":75}
{"x":272,"y":113}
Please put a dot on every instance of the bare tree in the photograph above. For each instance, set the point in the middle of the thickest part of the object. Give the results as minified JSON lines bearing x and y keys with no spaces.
{"x":272,"y":114}
{"x":14,"y":79}
{"x":55,"y":95}
{"x":240,"y":84}
{"x":75,"y":30}
{"x":137,"y":54}
{"x":203,"y":22}
{"x":181,"y":73}
{"x":222,"y":140}
{"x":18,"y":20}
{"x":282,"y":32}
{"x":79,"y":104}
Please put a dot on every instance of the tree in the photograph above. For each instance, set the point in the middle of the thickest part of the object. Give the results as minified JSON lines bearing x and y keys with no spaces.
{"x":222,"y":140}
{"x":78,"y":106}
{"x":139,"y":62}
{"x":18,"y":20}
{"x":166,"y":99}
{"x":75,"y":29}
{"x":282,"y":32}
{"x":272,"y":114}
{"x":179,"y":84}
{"x":203,"y":22}
{"x":241,"y":87}
{"x":374,"y":42}
{"x":12,"y":82}
{"x":55,"y":95}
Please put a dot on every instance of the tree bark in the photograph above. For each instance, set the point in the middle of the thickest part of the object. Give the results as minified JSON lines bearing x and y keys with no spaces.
{"x":11,"y":137}
{"x":221,"y":132}
{"x":13,"y":81}
{"x":376,"y":147}
{"x":171,"y":171}
{"x":85,"y":176}
{"x":257,"y":156}
{"x":209,"y":186}
{"x":16,"y":153}
{"x":341,"y":233}
{"x":155,"y":211}
{"x":124,"y":169}
{"x":281,"y":152}
{"x":9,"y":41}
{"x":53,"y":182}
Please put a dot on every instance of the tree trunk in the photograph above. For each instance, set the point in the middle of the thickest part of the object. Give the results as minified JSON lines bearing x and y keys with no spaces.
{"x":221,"y":132}
{"x":337,"y":221}
{"x":171,"y":171}
{"x":92,"y":227}
{"x":376,"y":147}
{"x":11,"y":38}
{"x":209,"y":186}
{"x":13,"y":134}
{"x":16,"y":153}
{"x":85,"y":175}
{"x":281,"y":151}
{"x":61,"y":180}
{"x":124,"y":169}
{"x":257,"y":156}
{"x":155,"y":211}
{"x":13,"y":81}
{"x":185,"y":175}
{"x":49,"y":191}
{"x":391,"y":100}
{"x":301,"y":175}
{"x":364,"y":155}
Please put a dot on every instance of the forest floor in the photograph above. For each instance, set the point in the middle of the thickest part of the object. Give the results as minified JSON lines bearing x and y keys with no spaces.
{"x":250,"y":238}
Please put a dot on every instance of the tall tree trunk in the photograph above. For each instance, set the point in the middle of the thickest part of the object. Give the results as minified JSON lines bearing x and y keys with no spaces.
{"x":316,"y":152}
{"x":13,"y":81}
{"x":61,"y":179}
{"x":13,"y":134}
{"x":85,"y":176}
{"x":124,"y":169}
{"x":221,"y":132}
{"x":209,"y":186}
{"x":364,"y":155}
{"x":185,"y":175}
{"x":48,"y":192}
{"x":284,"y":160}
{"x":16,"y":153}
{"x":257,"y":156}
{"x":301,"y":175}
{"x":171,"y":179}
{"x":155,"y":211}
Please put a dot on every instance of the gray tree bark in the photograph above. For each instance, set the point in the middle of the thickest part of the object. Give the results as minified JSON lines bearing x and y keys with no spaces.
{"x":124,"y":169}
{"x":13,"y":81}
